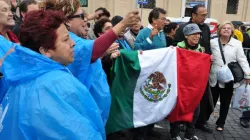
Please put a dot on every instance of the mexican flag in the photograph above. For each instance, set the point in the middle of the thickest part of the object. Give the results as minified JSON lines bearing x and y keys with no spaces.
{"x":160,"y":83}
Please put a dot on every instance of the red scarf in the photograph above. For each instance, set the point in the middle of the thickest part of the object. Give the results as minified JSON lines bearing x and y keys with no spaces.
{"x":13,"y":38}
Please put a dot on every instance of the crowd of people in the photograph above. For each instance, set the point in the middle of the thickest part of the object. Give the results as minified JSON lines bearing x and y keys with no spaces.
{"x":56,"y":62}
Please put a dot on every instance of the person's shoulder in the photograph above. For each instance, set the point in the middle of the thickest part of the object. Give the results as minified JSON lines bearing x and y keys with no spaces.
{"x":214,"y":41}
{"x":146,"y":29}
{"x":127,"y":34}
{"x":55,"y":75}
{"x":205,"y":25}
{"x":181,"y":44}
{"x":144,"y":33}
{"x":57,"y":79}
{"x":182,"y":25}
{"x":235,"y":41}
{"x":78,"y":39}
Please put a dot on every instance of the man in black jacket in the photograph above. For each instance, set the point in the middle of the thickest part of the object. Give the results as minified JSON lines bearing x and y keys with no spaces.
{"x":24,"y":7}
{"x":199,"y":15}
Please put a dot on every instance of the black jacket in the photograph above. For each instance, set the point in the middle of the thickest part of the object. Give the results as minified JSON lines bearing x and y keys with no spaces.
{"x":170,"y":41}
{"x":246,"y":40}
{"x":16,"y":28}
{"x":205,"y":35}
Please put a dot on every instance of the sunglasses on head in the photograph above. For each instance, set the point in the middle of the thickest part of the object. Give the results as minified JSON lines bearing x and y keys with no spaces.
{"x":77,"y":16}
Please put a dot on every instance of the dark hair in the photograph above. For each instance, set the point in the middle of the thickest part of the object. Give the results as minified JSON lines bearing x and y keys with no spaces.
{"x":168,"y":28}
{"x":243,"y":28}
{"x":116,"y":19}
{"x":99,"y":25}
{"x":105,"y":12}
{"x":248,"y":29}
{"x":196,"y":8}
{"x":39,"y":29}
{"x":23,"y":7}
{"x":155,"y":13}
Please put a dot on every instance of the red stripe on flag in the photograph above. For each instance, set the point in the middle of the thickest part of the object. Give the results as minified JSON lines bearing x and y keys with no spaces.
{"x":193,"y":72}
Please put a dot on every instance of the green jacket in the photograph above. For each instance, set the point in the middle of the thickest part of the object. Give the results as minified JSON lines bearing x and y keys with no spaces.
{"x":183,"y":46}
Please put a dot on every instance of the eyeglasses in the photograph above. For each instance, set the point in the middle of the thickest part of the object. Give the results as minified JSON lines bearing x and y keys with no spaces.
{"x":77,"y":16}
{"x":163,"y":19}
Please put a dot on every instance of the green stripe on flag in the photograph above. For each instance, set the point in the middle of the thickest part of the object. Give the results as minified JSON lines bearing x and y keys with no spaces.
{"x":126,"y":68}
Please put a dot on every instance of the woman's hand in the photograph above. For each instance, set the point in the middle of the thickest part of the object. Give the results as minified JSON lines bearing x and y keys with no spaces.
{"x":115,"y":54}
{"x":140,"y":52}
{"x":114,"y":47}
{"x":212,"y":58}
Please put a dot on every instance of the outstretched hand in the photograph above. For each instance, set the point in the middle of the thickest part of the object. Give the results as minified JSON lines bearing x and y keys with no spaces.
{"x":131,"y":18}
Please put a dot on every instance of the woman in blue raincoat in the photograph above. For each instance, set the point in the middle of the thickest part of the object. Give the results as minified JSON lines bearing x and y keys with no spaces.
{"x":87,"y":66}
{"x":45,"y":101}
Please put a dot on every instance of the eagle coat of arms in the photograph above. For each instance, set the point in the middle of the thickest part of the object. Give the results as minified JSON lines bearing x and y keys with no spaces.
{"x":155,"y":88}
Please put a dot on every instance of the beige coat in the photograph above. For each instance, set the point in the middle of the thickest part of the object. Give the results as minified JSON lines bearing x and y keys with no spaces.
{"x":233,"y":52}
{"x":130,"y":38}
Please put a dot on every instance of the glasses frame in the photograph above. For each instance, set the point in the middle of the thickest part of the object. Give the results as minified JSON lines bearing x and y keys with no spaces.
{"x":77,"y":16}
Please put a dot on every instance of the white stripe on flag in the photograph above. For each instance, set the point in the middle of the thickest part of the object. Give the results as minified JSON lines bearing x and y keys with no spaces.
{"x":164,"y":61}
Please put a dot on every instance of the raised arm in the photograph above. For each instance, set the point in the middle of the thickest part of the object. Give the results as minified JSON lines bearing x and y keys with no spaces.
{"x":102,"y":43}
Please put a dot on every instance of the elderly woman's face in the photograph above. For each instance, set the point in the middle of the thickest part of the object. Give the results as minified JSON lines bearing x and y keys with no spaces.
{"x":78,"y":24}
{"x":226,"y":30}
{"x":6,"y":17}
{"x":193,"y":39}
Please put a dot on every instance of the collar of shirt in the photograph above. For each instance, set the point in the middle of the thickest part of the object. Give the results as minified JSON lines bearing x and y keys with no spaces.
{"x":230,"y":43}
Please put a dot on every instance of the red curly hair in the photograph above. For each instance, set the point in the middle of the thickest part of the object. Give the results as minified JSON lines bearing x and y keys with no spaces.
{"x":39,"y":29}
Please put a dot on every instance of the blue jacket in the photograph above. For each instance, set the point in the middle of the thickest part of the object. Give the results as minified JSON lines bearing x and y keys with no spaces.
{"x":4,"y":48}
{"x":143,"y":42}
{"x":45,"y":101}
{"x":90,"y":74}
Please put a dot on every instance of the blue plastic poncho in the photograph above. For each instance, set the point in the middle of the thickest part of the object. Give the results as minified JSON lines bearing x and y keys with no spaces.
{"x":4,"y":48}
{"x":45,"y":101}
{"x":91,"y":74}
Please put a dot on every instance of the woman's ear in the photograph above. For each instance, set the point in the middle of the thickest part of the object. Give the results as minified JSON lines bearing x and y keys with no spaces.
{"x":45,"y":52}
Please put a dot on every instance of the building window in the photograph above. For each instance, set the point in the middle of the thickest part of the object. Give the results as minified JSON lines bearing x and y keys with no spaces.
{"x":84,"y":3}
{"x":190,"y":4}
{"x":151,"y":4}
{"x":232,"y":6}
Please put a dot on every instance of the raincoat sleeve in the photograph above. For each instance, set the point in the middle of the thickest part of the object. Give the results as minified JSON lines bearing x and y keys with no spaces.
{"x":82,"y":57}
{"x":99,"y":88}
{"x":91,"y":75}
{"x":5,"y":46}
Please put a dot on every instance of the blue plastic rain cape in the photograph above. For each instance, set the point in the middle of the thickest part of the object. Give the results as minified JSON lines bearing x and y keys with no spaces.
{"x":45,"y":101}
{"x":4,"y":48}
{"x":91,"y":74}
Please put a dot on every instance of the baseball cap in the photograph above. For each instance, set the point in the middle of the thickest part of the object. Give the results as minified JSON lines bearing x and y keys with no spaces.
{"x":191,"y":29}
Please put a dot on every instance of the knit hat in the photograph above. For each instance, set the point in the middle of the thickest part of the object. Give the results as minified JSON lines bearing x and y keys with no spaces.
{"x":191,"y":29}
